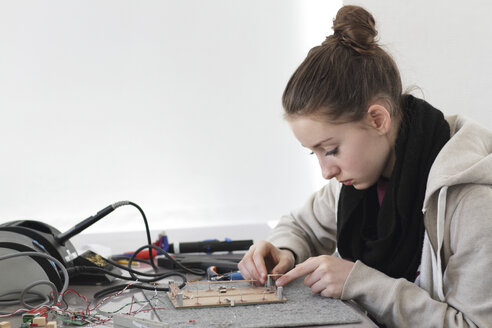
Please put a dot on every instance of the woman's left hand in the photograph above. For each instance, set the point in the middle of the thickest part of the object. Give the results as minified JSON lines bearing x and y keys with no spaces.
{"x":326,"y":275}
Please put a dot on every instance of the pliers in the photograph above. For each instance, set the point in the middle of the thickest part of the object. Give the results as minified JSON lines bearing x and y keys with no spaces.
{"x":214,"y":276}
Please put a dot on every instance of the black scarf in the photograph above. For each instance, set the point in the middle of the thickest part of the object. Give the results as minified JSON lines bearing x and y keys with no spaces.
{"x":390,"y":238}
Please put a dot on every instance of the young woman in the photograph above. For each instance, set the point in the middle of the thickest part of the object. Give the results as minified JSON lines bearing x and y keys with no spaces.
{"x":408,"y":204}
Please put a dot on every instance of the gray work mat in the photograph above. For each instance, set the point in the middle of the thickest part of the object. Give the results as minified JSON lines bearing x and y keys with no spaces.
{"x":301,"y":309}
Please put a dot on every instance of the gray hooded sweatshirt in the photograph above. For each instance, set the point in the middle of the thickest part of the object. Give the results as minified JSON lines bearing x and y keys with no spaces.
{"x":454,"y":288}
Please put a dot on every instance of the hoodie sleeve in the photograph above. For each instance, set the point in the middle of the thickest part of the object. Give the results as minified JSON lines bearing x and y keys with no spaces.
{"x":466,"y":278}
{"x":310,"y":230}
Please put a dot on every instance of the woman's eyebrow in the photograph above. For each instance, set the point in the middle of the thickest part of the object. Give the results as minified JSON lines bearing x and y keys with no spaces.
{"x":319,"y":143}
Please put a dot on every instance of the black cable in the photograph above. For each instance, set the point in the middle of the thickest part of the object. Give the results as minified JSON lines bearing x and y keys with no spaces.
{"x":97,"y":271}
{"x":63,"y":237}
{"x":147,"y":230}
{"x":134,"y":271}
{"x":199,"y":272}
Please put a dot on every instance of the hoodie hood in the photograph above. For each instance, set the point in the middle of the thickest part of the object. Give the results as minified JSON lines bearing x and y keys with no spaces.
{"x":466,"y":158}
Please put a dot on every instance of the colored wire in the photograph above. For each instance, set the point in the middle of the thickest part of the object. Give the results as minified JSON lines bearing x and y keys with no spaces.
{"x":79,"y":295}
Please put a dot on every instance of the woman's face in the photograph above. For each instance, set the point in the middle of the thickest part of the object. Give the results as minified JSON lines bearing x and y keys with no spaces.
{"x":355,"y":153}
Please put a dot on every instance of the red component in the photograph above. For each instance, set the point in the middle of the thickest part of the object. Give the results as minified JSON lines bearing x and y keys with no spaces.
{"x":144,"y":254}
{"x":211,"y":271}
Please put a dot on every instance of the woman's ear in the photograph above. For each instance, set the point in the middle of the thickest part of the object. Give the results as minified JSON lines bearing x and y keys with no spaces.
{"x":379,"y":117}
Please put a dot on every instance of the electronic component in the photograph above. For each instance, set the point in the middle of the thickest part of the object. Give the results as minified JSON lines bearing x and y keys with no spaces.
{"x":51,"y":324}
{"x":35,"y":313}
{"x":5,"y":324}
{"x":39,"y":321}
{"x":91,"y":259}
{"x":225,"y":293}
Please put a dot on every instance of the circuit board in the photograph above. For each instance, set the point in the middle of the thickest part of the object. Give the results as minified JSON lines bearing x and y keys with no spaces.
{"x":223,"y":293}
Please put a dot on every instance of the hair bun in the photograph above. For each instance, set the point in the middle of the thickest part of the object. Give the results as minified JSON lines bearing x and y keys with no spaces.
{"x":354,"y":27}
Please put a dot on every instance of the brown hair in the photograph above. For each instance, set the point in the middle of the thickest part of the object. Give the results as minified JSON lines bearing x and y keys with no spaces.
{"x":348,"y":70}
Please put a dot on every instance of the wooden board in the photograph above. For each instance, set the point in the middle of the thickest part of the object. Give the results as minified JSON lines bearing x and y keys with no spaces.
{"x":225,"y":294}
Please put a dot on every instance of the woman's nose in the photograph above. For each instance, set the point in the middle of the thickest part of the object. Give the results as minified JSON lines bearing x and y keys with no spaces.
{"x":328,"y":170}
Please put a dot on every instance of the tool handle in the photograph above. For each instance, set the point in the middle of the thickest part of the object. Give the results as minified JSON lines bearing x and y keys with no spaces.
{"x":210,"y":246}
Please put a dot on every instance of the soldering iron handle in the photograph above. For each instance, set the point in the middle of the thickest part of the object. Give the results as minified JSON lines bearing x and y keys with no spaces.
{"x":63,"y":237}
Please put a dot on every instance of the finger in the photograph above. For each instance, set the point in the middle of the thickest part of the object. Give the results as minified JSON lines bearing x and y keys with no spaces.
{"x":248,"y":265}
{"x":281,"y":267}
{"x":278,"y":270}
{"x":308,"y":281}
{"x":314,"y":276}
{"x":260,"y":267}
{"x":318,"y":287}
{"x":330,"y":291}
{"x":243,"y":268}
{"x":285,"y":263}
{"x":300,"y":270}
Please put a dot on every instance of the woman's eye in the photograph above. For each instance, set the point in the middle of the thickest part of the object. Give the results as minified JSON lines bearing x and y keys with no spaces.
{"x":332,"y":152}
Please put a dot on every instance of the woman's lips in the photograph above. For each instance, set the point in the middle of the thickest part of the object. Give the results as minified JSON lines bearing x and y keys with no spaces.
{"x":347,"y":182}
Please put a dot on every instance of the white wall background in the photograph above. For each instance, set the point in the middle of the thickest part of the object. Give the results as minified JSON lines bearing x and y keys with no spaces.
{"x":443,"y":47}
{"x":174,"y":105}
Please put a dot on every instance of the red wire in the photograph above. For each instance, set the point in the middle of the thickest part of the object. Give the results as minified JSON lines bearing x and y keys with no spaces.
{"x":131,"y":304}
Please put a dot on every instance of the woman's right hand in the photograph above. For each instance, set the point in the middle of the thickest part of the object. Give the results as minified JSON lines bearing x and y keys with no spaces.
{"x":264,"y":257}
